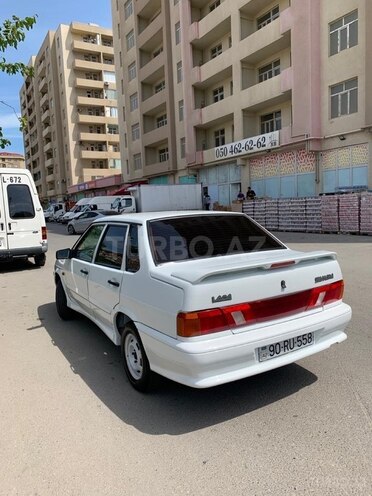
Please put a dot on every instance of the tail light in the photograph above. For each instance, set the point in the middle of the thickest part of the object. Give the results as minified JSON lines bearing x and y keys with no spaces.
{"x":44,"y":233}
{"x":214,"y":320}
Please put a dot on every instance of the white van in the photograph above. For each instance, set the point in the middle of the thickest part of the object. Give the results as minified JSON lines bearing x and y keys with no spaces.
{"x":76,"y":209}
{"x":23,"y":233}
{"x":101,"y":202}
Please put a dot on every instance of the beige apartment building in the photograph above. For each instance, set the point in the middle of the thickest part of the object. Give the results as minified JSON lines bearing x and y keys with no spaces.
{"x":72,"y":136}
{"x":270,"y":94}
{"x":11,"y":159}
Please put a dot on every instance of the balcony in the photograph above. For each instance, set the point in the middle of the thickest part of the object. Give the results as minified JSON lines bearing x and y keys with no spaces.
{"x":43,"y":85}
{"x":49,"y":162}
{"x":85,"y":47}
{"x":100,"y":137}
{"x":51,"y":192}
{"x":84,"y":65}
{"x":149,"y":38}
{"x":154,"y":102}
{"x":98,"y":155}
{"x":214,"y":70}
{"x":156,"y":136}
{"x":45,"y":115}
{"x":93,"y":102}
{"x":156,"y":168}
{"x":96,"y":119}
{"x":212,"y":27}
{"x":274,"y":91}
{"x":214,"y":114}
{"x":43,"y":100}
{"x":41,"y":69}
{"x":50,"y":178}
{"x":88,"y":83}
{"x":47,"y":131}
{"x":264,"y":43}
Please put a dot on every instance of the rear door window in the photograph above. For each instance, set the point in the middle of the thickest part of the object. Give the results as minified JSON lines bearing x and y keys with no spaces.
{"x":20,"y":201}
{"x":111,"y":249}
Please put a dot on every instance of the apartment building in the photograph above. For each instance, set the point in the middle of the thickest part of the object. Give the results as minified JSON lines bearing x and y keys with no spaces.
{"x":72,"y":136}
{"x":270,"y":94}
{"x":10,"y":159}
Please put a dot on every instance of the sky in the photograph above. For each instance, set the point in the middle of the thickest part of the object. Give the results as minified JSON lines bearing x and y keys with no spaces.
{"x":50,"y":13}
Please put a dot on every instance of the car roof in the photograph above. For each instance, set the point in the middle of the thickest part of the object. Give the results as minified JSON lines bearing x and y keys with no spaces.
{"x":143,"y":217}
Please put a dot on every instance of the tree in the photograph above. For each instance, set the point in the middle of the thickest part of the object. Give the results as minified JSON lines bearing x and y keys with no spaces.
{"x":13,"y":32}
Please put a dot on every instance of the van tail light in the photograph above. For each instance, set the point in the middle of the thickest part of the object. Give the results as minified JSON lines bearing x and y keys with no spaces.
{"x":44,"y":233}
{"x":213,"y":320}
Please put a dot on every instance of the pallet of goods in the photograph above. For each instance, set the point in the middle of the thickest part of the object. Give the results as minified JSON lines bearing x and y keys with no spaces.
{"x":248,"y":207}
{"x":366,"y":213}
{"x":329,"y":213}
{"x":349,"y":213}
{"x":259,"y":212}
{"x":314,"y":214}
{"x":272,"y":215}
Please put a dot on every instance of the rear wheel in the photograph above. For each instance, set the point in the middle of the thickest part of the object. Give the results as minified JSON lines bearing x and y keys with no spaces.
{"x":61,"y":303}
{"x":71,"y":229}
{"x":40,"y":260}
{"x":135,"y":362}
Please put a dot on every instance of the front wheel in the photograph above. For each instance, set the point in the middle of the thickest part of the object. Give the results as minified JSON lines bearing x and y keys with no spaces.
{"x":135,"y":362}
{"x":61,"y":303}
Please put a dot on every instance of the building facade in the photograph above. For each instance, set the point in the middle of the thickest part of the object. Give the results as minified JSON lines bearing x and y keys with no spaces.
{"x":9,"y":159}
{"x":72,"y":134}
{"x":251,"y":92}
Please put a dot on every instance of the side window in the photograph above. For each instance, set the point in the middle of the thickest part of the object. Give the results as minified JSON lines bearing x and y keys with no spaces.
{"x":111,"y":248}
{"x":20,"y":202}
{"x":84,"y":250}
{"x":132,"y":262}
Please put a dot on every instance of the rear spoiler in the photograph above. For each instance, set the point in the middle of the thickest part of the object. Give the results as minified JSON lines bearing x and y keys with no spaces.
{"x":197,"y":275}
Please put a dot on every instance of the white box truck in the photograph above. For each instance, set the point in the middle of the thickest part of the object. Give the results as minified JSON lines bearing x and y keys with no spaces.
{"x":160,"y":198}
{"x":23,"y":233}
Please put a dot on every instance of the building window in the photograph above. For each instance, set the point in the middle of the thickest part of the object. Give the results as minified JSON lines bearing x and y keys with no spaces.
{"x":218,"y":94}
{"x":269,"y":71}
{"x":159,"y":87}
{"x":128,"y":9}
{"x":271,"y":122}
{"x":180,"y":110}
{"x":214,"y":5}
{"x":135,"y":132}
{"x":137,"y":161}
{"x":130,"y":40}
{"x":216,"y":51}
{"x":179,"y":72}
{"x":344,"y":98}
{"x":132,"y":71}
{"x":183,"y":147}
{"x":133,"y":102}
{"x":178,"y":32}
{"x":219,"y":137}
{"x":343,"y":33}
{"x":163,"y":154}
{"x":109,"y":77}
{"x":161,"y":121}
{"x":268,"y":17}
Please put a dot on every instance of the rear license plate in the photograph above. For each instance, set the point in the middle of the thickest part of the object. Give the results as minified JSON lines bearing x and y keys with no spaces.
{"x":283,"y":347}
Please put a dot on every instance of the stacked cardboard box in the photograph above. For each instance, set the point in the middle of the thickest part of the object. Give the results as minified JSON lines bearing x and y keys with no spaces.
{"x":248,"y":207}
{"x":349,"y":213}
{"x":329,"y":213}
{"x":272,"y":215}
{"x":292,"y":214}
{"x":366,"y":213}
{"x":259,"y":214}
{"x":314,"y":214}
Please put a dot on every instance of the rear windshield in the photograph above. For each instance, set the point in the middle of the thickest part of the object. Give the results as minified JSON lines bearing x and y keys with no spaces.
{"x":193,"y":237}
{"x":20,"y":202}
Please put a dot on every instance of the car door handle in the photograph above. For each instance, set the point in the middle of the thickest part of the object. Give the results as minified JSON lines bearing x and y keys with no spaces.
{"x":114,"y":283}
{"x":85,"y":272}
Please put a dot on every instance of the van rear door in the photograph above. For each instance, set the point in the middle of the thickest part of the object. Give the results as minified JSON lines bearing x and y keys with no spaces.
{"x":21,"y":206}
{"x":3,"y":236}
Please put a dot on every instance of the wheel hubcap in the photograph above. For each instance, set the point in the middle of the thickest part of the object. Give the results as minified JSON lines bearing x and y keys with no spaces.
{"x":133,"y":356}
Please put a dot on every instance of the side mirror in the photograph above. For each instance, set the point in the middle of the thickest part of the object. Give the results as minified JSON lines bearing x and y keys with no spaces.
{"x":64,"y":254}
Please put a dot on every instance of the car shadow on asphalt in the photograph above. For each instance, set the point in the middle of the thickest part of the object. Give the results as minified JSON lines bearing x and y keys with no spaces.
{"x":170,"y":408}
{"x":17,"y":266}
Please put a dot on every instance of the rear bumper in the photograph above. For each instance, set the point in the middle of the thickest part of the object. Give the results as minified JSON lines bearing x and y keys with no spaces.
{"x":7,"y":255}
{"x":203,"y":363}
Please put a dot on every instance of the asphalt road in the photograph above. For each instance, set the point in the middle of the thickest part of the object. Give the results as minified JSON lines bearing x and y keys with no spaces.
{"x":72,"y":425}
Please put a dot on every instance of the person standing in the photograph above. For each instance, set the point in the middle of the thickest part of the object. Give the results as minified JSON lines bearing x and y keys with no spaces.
{"x":251,"y":194}
{"x":207,"y":201}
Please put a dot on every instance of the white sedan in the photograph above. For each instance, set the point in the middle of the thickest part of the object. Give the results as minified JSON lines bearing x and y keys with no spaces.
{"x":202,"y":298}
{"x":82,"y":221}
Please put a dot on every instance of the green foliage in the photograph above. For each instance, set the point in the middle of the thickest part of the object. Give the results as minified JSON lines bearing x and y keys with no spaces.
{"x":13,"y":32}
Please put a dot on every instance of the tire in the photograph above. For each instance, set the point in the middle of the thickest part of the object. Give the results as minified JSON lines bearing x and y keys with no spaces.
{"x":61,"y":303}
{"x":135,"y":362}
{"x":40,"y":260}
{"x":70,"y":229}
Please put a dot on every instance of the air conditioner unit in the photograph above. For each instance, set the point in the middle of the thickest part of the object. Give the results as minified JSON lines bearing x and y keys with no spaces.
{"x":105,"y":83}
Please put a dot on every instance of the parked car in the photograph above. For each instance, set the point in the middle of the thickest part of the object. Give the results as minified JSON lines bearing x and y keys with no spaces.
{"x":80,"y":222}
{"x":203,"y":298}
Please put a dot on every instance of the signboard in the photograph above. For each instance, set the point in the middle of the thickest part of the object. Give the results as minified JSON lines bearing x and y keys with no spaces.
{"x":248,"y":145}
